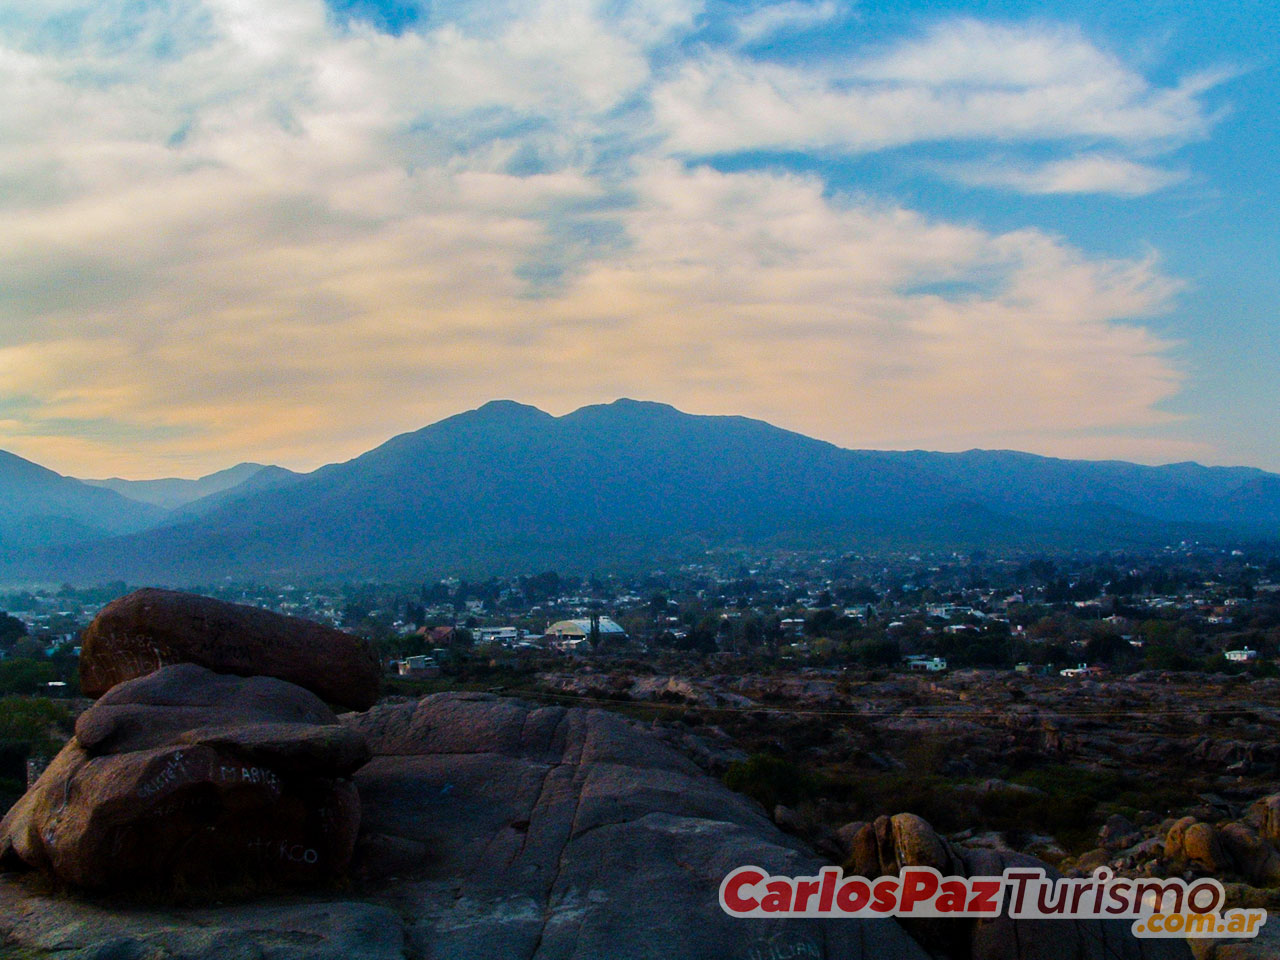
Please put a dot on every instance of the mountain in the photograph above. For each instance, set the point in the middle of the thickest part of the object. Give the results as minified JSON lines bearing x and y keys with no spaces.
{"x":174,"y":492}
{"x":267,"y":478}
{"x":40,"y":508}
{"x":509,"y":488}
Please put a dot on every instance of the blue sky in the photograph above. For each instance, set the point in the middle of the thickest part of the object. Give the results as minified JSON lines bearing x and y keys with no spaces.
{"x":284,"y":232}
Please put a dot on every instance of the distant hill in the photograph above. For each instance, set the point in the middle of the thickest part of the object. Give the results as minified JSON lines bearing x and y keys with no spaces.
{"x":41,"y":508}
{"x":510,"y":488}
{"x":174,"y":492}
{"x":265,"y":479}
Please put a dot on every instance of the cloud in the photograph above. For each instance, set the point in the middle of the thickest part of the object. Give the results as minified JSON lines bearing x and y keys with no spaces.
{"x":231,"y":230}
{"x":790,"y":16}
{"x":963,"y":81}
{"x":775,"y":292}
{"x":1087,"y":173}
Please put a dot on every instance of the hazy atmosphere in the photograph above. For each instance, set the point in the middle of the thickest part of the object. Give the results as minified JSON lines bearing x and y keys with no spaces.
{"x":285,"y":231}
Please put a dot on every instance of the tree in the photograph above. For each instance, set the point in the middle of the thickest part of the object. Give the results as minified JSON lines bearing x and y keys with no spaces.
{"x":1106,"y":647}
{"x":657,"y":606}
{"x":878,"y":653}
{"x":27,"y":649}
{"x":25,"y":676}
{"x":541,"y":587}
{"x":11,"y":630}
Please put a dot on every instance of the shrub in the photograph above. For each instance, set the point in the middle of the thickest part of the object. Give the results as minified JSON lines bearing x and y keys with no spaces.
{"x":42,"y":724}
{"x":25,"y":676}
{"x":771,"y":780}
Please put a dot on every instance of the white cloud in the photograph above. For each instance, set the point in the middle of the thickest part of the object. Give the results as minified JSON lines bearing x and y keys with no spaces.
{"x":965,"y":52}
{"x":779,"y":294}
{"x":1087,"y":173}
{"x":791,"y":15}
{"x":963,"y":81}
{"x":284,"y":239}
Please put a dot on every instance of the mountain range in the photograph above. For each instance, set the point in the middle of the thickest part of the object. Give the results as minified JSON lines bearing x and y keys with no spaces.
{"x":173,"y":493}
{"x":509,"y":488}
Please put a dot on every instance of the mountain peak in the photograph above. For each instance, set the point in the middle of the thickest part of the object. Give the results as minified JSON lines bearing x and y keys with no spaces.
{"x":508,"y":410}
{"x":625,"y":408}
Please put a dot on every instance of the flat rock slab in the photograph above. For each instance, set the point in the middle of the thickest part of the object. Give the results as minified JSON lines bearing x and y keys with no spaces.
{"x":149,"y":629}
{"x":569,"y":833}
{"x":157,"y":708}
{"x":35,"y":927}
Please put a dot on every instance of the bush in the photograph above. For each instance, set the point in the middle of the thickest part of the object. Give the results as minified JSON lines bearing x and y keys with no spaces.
{"x":25,"y":676}
{"x":11,"y":630}
{"x":28,"y":727}
{"x":42,"y":724}
{"x":771,"y":780}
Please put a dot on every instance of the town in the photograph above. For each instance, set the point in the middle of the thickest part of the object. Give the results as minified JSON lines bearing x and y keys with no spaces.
{"x":1181,"y":608}
{"x":1087,"y":710}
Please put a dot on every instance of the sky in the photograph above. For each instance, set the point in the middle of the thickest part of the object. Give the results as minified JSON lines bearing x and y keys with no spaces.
{"x":284,"y":232}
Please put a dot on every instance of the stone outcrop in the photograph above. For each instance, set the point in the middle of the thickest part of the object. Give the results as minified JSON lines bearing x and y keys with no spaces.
{"x":495,"y":828}
{"x":1244,"y":848}
{"x":572,"y":833}
{"x":189,"y":781}
{"x":149,"y":629}
{"x":905,"y":840}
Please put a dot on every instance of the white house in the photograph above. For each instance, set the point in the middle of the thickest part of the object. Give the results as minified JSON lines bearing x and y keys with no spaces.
{"x":420,"y":666}
{"x":1084,"y":670}
{"x":507,"y":636}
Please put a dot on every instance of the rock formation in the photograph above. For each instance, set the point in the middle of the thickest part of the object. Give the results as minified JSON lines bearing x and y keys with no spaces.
{"x":887,"y":845}
{"x":187,"y":780}
{"x":149,"y":629}
{"x":494,"y":828}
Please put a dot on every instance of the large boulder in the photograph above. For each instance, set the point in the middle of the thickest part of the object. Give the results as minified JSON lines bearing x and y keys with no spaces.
{"x":189,"y":781}
{"x":137,"y":715}
{"x":570,"y":833}
{"x":1055,"y":939}
{"x":1264,"y":815}
{"x":1255,"y":858}
{"x":1201,"y":846}
{"x":149,"y":629}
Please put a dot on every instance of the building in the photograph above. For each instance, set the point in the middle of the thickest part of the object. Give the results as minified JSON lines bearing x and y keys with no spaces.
{"x":507,"y":636}
{"x":418,"y":667}
{"x":571,"y":634}
{"x":926,"y":664}
{"x":1242,"y":656}
{"x":438,"y":636}
{"x":1082,"y":671}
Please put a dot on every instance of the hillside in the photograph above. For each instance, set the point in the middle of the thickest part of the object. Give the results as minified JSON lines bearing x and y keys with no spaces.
{"x":173,"y":493}
{"x":508,"y":487}
{"x":39,"y":508}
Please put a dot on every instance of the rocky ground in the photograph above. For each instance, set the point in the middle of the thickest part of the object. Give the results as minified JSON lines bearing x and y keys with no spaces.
{"x":199,"y":814}
{"x":496,"y":828}
{"x":1155,"y":774}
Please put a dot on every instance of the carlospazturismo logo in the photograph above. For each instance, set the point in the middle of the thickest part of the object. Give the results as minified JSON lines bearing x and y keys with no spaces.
{"x":1158,"y":908}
